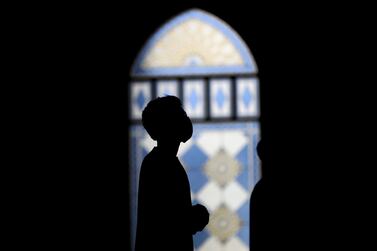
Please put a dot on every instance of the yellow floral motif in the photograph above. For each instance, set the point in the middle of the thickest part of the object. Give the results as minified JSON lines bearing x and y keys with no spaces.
{"x":222,"y":168}
{"x":193,"y":42}
{"x":224,"y":223}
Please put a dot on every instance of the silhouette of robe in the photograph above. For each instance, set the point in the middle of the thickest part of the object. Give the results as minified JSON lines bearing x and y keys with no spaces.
{"x":164,"y":205}
{"x":270,"y":217}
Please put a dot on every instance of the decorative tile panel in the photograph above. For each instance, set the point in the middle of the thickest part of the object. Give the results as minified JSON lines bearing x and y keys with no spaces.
{"x":220,"y":98}
{"x":247,"y":97}
{"x":227,"y":199}
{"x":194,"y":98}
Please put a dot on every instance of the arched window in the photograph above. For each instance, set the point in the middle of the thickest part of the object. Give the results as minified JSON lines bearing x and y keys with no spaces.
{"x":199,"y":58}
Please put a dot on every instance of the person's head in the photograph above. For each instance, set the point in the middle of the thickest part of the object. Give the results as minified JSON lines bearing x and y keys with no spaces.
{"x":165,"y":120}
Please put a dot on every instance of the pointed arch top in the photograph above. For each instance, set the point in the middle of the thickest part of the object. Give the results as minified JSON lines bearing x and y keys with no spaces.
{"x":194,"y":43}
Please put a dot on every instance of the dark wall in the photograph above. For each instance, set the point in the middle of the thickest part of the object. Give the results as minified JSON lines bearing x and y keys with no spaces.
{"x":83,"y":58}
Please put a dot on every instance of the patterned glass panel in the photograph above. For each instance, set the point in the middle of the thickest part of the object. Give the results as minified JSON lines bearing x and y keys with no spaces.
{"x":194,"y":98}
{"x":140,"y":96}
{"x":220,"y":98}
{"x":167,"y":87}
{"x":247,"y":97}
{"x":223,"y":168}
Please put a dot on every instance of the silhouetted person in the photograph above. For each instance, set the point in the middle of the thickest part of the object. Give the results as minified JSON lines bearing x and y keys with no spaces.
{"x":270,"y":216}
{"x":166,"y":218}
{"x":261,"y":232}
{"x":263,"y":222}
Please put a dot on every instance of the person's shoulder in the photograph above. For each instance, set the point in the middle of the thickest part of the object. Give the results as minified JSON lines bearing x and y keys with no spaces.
{"x":151,"y":159}
{"x":259,"y":187}
{"x":152,"y":156}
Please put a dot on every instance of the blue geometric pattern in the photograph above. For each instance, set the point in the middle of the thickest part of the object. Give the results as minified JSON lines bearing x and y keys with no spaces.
{"x":140,"y":95}
{"x":194,"y":157}
{"x":243,"y":211}
{"x":193,"y":99}
{"x":243,"y":158}
{"x":247,"y":96}
{"x":140,"y":100}
{"x":194,"y":160}
{"x":200,"y":237}
{"x":220,"y":98}
{"x":197,"y":180}
{"x":242,"y":155}
{"x":243,"y":234}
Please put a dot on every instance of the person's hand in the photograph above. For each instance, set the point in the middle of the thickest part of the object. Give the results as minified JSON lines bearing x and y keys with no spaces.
{"x":200,"y":217}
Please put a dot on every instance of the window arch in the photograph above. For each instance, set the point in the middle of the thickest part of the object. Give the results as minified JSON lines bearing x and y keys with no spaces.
{"x":199,"y":58}
{"x":194,"y":43}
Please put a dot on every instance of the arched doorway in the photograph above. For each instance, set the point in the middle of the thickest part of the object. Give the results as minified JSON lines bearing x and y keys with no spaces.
{"x":199,"y":58}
